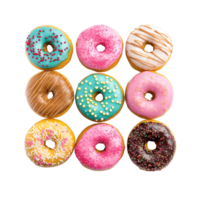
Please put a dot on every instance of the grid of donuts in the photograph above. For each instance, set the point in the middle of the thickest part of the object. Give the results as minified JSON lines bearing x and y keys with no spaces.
{"x":146,"y":82}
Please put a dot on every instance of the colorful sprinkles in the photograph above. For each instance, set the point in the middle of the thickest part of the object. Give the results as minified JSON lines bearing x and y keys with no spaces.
{"x":151,"y":160}
{"x":56,"y":131}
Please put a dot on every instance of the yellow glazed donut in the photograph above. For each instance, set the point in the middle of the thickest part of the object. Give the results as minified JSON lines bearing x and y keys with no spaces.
{"x":142,"y":60}
{"x":36,"y":48}
{"x":51,"y":129}
{"x":43,"y":83}
{"x":100,"y":147}
{"x":99,"y":48}
{"x":99,"y":97}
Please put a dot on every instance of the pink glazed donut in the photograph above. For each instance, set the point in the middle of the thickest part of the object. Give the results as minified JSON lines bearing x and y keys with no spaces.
{"x":90,"y":57}
{"x":94,"y":159}
{"x":160,"y":89}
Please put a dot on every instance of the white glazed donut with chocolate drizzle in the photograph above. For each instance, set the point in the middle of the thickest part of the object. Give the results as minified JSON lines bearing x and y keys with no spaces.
{"x":142,"y":60}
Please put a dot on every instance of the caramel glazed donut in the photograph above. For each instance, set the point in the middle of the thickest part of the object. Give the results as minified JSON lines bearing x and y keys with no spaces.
{"x":141,"y":155}
{"x":43,"y":83}
{"x":51,"y":129}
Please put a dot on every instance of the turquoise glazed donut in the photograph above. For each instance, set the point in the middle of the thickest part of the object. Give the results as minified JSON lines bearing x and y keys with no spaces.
{"x":90,"y":87}
{"x":36,"y":48}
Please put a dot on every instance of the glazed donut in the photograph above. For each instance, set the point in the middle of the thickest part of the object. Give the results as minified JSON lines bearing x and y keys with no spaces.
{"x":142,"y":60}
{"x":43,"y":83}
{"x":155,"y":84}
{"x":90,"y":87}
{"x":36,"y":48}
{"x":141,"y":155}
{"x":94,"y":159}
{"x":51,"y":129}
{"x":90,"y":57}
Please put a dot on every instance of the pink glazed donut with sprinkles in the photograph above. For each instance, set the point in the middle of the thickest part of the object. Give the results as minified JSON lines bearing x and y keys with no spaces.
{"x":152,"y":84}
{"x":87,"y":48}
{"x":94,"y":159}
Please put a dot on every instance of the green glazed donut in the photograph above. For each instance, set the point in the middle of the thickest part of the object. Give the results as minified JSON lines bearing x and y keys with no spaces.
{"x":99,"y":97}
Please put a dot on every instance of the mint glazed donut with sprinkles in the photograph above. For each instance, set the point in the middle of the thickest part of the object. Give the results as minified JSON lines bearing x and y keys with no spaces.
{"x":39,"y":42}
{"x":106,"y":108}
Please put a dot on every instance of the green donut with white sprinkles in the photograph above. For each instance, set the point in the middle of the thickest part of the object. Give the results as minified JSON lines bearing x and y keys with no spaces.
{"x":87,"y":91}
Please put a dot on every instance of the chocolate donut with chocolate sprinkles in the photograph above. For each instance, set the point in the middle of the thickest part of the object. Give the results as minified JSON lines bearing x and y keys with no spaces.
{"x":141,"y":155}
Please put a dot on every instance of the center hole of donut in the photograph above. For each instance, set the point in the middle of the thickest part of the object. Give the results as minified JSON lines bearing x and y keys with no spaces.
{"x":148,"y":47}
{"x":149,"y":96}
{"x":100,"y":48}
{"x":50,"y":95}
{"x":151,"y":145}
{"x":50,"y":144}
{"x":98,"y":97}
{"x":48,"y":47}
{"x":100,"y":147}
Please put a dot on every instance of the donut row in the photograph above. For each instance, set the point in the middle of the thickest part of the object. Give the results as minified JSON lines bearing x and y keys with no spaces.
{"x":41,"y":84}
{"x":87,"y":45}
{"x":85,"y":145}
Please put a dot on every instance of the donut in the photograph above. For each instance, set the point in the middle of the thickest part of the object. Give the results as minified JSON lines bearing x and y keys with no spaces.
{"x":94,"y":159}
{"x":90,"y":57}
{"x":49,"y":129}
{"x":90,"y":87}
{"x":158,"y":86}
{"x":142,"y":60}
{"x":43,"y":83}
{"x":141,"y":155}
{"x":36,"y":48}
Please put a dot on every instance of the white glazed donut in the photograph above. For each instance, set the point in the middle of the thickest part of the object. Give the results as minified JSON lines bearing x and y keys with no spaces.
{"x":142,"y":60}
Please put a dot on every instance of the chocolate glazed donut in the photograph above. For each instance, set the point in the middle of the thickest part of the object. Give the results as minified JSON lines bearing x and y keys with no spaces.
{"x":144,"y":158}
{"x":43,"y":83}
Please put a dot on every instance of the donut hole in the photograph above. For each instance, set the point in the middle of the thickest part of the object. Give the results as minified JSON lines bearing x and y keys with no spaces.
{"x":148,"y":47}
{"x":100,"y":147}
{"x":151,"y":145}
{"x":149,"y":96}
{"x":48,"y":47}
{"x":50,"y":144}
{"x":98,"y":96}
{"x":100,"y":47}
{"x":50,"y":95}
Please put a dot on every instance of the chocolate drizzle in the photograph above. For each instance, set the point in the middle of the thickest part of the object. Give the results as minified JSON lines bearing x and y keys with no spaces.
{"x":151,"y":160}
